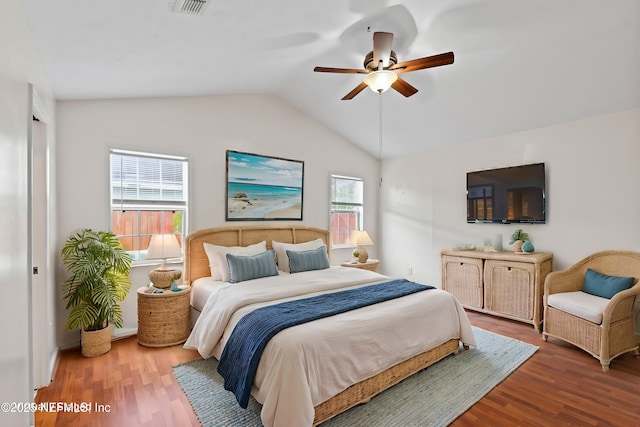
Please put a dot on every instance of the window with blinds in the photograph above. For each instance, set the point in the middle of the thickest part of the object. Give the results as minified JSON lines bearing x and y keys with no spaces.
{"x":347,"y":206}
{"x":149,"y":195}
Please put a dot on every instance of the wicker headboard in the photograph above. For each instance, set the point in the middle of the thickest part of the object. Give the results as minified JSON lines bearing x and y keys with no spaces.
{"x":196,"y":263}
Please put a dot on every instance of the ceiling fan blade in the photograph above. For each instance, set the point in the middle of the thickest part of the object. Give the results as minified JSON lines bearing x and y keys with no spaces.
{"x":355,"y":91}
{"x":339,"y":70}
{"x":421,"y":63}
{"x":403,"y":87}
{"x":382,"y":48}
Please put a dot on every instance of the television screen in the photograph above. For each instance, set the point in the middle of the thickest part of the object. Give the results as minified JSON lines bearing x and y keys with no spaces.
{"x":507,"y":195}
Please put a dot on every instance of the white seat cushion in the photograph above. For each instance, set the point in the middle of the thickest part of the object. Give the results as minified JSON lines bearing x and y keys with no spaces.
{"x":580,"y":304}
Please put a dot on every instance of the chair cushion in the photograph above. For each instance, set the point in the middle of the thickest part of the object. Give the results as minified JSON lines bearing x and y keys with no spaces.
{"x":604,"y":286}
{"x":580,"y":304}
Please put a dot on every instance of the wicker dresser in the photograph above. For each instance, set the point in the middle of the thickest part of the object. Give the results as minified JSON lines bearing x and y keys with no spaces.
{"x":371,"y":265}
{"x":163,"y":319}
{"x":501,"y":283}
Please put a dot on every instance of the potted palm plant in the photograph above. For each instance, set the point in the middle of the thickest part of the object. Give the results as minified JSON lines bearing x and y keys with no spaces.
{"x":99,"y":282}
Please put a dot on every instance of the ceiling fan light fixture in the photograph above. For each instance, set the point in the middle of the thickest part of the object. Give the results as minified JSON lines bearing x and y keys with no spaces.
{"x":381,"y":80}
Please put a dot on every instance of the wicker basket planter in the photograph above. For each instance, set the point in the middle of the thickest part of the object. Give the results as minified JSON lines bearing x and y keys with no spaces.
{"x":95,"y":343}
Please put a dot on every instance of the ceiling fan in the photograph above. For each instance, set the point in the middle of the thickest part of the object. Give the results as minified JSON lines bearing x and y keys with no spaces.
{"x":381,"y":68}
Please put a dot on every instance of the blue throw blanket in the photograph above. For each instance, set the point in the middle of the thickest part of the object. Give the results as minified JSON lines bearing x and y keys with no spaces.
{"x":239,"y":360}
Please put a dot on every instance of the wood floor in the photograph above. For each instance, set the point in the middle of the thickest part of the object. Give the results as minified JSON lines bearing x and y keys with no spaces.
{"x":559,"y":386}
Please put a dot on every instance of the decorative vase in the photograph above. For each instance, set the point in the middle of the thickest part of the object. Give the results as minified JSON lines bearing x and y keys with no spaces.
{"x":363,"y":256}
{"x":95,"y":343}
{"x":527,"y":247}
{"x":517,"y":246}
{"x":162,"y":279}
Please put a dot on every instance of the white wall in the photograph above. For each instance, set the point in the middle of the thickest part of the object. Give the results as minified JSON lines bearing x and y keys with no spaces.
{"x":19,"y":66}
{"x":593,"y":201}
{"x":201,"y":128}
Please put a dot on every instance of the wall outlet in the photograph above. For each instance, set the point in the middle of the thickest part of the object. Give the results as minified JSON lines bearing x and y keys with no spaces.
{"x":410,"y":271}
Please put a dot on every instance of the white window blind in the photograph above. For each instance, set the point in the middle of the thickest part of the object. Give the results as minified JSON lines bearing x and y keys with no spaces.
{"x":149,"y":195}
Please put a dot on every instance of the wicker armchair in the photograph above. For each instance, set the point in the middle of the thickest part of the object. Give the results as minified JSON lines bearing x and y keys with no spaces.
{"x":614,"y":335}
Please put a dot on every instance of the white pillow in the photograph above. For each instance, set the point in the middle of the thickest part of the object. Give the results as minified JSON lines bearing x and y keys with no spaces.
{"x":218,"y":257}
{"x":281,"y":251}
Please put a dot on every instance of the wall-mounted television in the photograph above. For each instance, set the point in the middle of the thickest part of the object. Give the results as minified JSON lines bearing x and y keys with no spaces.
{"x":507,"y":195}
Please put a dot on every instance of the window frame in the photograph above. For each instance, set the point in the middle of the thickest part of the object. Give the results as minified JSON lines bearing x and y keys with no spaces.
{"x":148,"y":205}
{"x":359,"y":212}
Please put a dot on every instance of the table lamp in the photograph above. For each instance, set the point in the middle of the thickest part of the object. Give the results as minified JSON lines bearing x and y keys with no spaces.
{"x":163,"y":246}
{"x":361,"y":239}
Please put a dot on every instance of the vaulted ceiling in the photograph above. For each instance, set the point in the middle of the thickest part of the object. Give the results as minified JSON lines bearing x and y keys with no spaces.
{"x":519,"y":64}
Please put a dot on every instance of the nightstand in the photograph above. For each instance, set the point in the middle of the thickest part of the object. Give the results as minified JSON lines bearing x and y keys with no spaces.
{"x":164,"y":319}
{"x":371,"y":265}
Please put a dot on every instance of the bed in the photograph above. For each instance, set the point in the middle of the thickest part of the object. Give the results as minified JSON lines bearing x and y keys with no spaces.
{"x":311,"y":372}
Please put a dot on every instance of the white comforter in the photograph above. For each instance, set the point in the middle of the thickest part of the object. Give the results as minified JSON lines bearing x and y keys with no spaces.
{"x":307,"y":364}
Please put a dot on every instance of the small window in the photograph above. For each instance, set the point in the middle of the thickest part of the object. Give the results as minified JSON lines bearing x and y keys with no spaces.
{"x":347,"y":196}
{"x":148,"y":196}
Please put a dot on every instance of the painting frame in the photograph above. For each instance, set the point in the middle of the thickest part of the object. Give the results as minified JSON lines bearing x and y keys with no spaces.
{"x":263,"y":188}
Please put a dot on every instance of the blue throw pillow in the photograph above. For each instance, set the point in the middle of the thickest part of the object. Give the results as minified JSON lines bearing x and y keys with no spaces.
{"x":249,"y":267}
{"x":604,"y":286}
{"x":315,"y":259}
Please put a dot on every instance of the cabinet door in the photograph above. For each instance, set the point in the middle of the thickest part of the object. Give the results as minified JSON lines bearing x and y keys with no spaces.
{"x":462,"y":277}
{"x":509,"y":288}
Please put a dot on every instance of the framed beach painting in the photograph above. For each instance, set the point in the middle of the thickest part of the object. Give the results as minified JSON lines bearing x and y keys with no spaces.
{"x":263,"y":188}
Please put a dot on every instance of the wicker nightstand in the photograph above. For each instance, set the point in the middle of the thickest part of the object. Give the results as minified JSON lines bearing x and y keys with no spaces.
{"x":163,"y":319}
{"x":371,"y":265}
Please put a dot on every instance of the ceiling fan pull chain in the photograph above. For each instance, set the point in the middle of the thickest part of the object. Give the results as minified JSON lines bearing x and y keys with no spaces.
{"x":380,"y":141}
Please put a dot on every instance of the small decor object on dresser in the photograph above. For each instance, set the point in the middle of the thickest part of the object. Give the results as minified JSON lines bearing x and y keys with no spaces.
{"x":517,"y":239}
{"x":527,"y":247}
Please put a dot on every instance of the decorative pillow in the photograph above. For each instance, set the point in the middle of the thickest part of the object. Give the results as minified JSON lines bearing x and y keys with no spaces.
{"x":218,"y":262}
{"x":247,"y":267}
{"x":281,"y":251}
{"x":314,"y":259}
{"x":604,"y":286}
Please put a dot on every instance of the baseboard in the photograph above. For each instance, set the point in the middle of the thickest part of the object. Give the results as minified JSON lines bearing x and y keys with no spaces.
{"x":53,"y":364}
{"x":119,"y":333}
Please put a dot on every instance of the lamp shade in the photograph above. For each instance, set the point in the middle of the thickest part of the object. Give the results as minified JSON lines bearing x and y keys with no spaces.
{"x":163,"y":246}
{"x":360,"y":238}
{"x":380,"y":81}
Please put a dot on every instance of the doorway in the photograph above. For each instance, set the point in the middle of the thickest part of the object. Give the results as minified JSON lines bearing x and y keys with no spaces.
{"x":41,"y":292}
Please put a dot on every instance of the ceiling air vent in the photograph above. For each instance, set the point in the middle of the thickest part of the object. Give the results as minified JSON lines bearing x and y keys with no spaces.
{"x":191,"y":7}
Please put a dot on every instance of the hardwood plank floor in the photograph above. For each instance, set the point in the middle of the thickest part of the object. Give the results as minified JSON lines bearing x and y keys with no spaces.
{"x":559,"y":386}
{"x":135,"y":385}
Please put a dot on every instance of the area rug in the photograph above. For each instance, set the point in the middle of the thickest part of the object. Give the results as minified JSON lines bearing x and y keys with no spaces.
{"x":433,"y":397}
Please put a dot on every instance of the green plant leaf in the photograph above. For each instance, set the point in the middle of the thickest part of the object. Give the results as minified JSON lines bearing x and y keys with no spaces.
{"x":82,"y":316}
{"x":519,"y":234}
{"x":99,"y":280}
